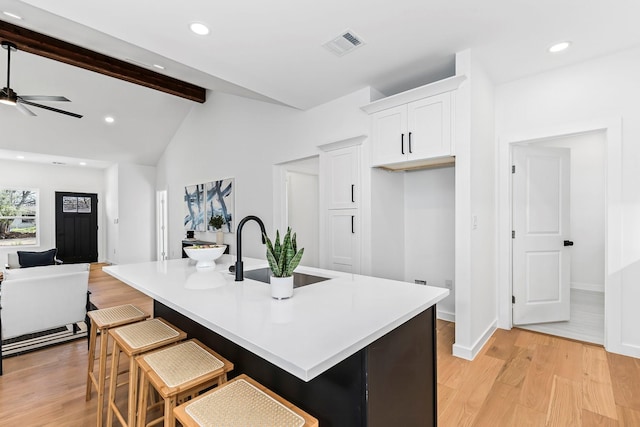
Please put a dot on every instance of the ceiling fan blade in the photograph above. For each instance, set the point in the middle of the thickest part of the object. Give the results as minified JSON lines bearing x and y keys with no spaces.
{"x":24,"y":110}
{"x":46,"y":107}
{"x":3,"y":92}
{"x":44,"y":98}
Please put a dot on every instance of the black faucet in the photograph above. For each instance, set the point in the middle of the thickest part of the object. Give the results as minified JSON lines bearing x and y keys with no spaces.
{"x":239,"y":268}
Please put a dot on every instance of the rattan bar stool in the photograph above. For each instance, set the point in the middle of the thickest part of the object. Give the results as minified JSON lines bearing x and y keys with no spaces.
{"x":242,"y":402}
{"x":133,"y":340}
{"x":178,"y":373}
{"x":102,"y":320}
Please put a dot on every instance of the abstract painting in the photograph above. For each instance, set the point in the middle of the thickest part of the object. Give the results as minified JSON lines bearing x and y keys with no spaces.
{"x":220,"y":200}
{"x":195,"y":217}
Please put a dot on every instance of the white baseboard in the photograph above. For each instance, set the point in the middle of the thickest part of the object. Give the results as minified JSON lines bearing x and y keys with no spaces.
{"x":470,"y":353}
{"x":594,"y":287}
{"x":445,"y":315}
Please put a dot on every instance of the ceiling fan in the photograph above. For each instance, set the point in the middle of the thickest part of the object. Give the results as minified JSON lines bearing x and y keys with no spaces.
{"x":9,"y":97}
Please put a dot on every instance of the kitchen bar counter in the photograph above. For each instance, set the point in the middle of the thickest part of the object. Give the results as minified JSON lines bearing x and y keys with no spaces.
{"x":324,"y":333}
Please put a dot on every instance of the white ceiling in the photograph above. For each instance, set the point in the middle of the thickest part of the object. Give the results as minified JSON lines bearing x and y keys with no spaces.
{"x":273,"y":51}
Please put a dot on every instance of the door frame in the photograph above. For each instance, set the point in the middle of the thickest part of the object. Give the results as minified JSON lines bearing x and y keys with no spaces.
{"x":280,"y":190}
{"x":613,"y":217}
{"x":162,"y":227}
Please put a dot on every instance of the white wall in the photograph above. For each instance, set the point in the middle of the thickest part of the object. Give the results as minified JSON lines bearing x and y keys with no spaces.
{"x":587,"y":202}
{"x":597,"y":94}
{"x":229,"y":136}
{"x":136,"y":212}
{"x":475,"y":259}
{"x":48,"y":179}
{"x":387,"y":224}
{"x":131,"y":215}
{"x":429,"y":220}
{"x":111,"y":214}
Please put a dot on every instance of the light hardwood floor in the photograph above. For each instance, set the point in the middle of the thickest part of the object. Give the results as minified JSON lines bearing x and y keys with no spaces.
{"x":524,"y":378}
{"x":521,"y":378}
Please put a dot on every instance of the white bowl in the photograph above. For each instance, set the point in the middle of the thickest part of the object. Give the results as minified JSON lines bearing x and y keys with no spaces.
{"x":205,"y":255}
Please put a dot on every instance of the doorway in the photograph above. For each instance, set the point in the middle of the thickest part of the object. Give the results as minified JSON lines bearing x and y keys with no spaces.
{"x":585,"y":259}
{"x":76,"y":227}
{"x":299,"y":208}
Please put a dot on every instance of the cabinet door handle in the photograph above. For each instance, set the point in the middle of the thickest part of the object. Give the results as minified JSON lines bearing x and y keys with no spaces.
{"x":353,"y":200}
{"x":353,"y":217}
{"x":402,"y":143}
{"x":410,"y":143}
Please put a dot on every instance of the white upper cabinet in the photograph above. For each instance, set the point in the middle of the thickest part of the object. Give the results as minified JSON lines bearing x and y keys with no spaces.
{"x":429,"y":127}
{"x":414,"y":128}
{"x":414,"y":131}
{"x":388,"y":132}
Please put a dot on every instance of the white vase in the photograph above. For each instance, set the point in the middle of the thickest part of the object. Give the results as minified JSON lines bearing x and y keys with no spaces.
{"x":219,"y":237}
{"x":281,"y":287}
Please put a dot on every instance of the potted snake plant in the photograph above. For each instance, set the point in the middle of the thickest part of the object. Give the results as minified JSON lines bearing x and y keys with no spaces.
{"x":283,"y":258}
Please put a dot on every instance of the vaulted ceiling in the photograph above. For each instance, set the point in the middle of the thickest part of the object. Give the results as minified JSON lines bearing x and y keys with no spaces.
{"x":272,"y":51}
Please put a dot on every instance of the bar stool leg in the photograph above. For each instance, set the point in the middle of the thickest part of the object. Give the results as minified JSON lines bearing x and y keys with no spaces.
{"x":169,"y":404}
{"x":104,"y":336}
{"x":142,"y":400}
{"x":133,"y":391}
{"x":113,"y":382}
{"x":92,"y":358}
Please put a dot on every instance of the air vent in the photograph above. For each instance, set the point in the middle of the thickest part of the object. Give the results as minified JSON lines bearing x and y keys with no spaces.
{"x":344,"y":43}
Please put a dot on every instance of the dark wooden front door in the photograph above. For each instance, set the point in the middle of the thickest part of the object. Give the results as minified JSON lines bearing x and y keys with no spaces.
{"x":77,"y":227}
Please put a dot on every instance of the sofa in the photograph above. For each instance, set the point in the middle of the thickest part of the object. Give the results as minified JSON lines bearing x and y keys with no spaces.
{"x":25,"y":259}
{"x":40,"y":298}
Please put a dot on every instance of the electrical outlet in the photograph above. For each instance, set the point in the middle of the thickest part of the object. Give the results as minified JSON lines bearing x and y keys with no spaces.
{"x":448,"y":284}
{"x":420,"y":282}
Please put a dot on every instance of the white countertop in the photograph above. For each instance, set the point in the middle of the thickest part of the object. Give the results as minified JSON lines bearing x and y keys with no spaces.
{"x":321,"y":325}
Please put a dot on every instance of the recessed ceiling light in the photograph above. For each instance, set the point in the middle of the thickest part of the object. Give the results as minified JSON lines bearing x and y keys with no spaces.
{"x":109,"y":119}
{"x":158,"y":66}
{"x":12,"y":15}
{"x":559,"y":47}
{"x":20,"y":157}
{"x":199,"y":28}
{"x":83,"y":163}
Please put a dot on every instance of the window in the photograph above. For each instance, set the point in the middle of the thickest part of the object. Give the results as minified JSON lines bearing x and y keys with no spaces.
{"x":18,"y":217}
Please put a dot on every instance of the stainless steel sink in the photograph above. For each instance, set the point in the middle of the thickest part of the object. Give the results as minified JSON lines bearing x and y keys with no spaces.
{"x":299,"y":279}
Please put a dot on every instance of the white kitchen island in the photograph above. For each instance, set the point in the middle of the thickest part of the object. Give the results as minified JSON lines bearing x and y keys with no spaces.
{"x":353,"y":350}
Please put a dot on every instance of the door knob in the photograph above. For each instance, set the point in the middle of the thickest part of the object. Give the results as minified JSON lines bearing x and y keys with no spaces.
{"x":568,"y":243}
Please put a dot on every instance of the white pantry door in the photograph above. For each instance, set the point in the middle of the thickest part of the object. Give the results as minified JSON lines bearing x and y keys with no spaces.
{"x":541,"y":251}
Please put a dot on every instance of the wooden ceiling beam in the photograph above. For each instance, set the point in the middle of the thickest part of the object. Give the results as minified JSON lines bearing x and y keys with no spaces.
{"x":52,"y":48}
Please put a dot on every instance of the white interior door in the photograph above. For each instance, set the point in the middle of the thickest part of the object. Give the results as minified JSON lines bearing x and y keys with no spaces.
{"x":541,"y":261}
